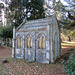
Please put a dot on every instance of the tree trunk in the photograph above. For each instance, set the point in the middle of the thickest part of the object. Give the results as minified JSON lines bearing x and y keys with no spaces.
{"x":5,"y":41}
{"x":11,"y":41}
{"x":69,"y":39}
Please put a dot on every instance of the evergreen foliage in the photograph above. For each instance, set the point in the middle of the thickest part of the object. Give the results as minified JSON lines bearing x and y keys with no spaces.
{"x":69,"y":66}
{"x":6,"y":32}
{"x":30,"y":10}
{"x":35,"y":8}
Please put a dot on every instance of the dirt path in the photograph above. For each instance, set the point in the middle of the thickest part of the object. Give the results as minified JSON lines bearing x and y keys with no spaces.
{"x":5,"y":52}
{"x":23,"y":67}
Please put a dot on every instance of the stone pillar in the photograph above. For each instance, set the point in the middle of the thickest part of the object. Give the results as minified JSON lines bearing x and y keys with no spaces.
{"x":23,"y":49}
{"x":48,"y":45}
{"x":14,"y":42}
{"x":52,"y":60}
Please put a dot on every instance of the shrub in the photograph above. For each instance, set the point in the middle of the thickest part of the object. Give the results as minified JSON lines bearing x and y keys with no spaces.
{"x":69,"y":66}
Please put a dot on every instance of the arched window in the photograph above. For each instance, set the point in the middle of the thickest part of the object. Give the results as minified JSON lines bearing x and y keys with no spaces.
{"x":29,"y":41}
{"x":20,"y":42}
{"x":41,"y":42}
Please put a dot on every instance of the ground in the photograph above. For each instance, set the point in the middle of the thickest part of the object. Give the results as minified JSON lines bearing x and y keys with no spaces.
{"x":23,"y":67}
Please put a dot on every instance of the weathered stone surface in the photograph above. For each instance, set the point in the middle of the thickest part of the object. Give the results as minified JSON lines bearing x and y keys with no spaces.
{"x":47,"y":28}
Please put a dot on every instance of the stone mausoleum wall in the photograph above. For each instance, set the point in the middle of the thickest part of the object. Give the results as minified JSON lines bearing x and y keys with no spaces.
{"x":37,"y":40}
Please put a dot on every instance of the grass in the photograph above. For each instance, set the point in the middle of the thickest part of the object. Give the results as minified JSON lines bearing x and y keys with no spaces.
{"x":68,"y":44}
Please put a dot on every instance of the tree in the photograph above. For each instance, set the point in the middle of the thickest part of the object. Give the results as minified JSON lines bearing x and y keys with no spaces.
{"x":72,"y":18}
{"x":67,"y":34}
{"x":65,"y":21}
{"x":6,"y":32}
{"x":64,"y":17}
{"x":1,"y":28}
{"x":71,"y":11}
{"x":35,"y":9}
{"x":20,"y":9}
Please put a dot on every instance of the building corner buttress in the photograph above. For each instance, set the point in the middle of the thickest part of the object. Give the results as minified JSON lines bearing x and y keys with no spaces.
{"x":14,"y":42}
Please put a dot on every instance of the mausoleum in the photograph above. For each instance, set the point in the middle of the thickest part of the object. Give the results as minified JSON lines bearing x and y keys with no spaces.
{"x":37,"y":40}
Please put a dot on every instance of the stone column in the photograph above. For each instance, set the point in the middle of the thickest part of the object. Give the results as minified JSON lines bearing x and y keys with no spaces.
{"x":14,"y":42}
{"x":23,"y":50}
{"x":52,"y":60}
{"x":48,"y":45}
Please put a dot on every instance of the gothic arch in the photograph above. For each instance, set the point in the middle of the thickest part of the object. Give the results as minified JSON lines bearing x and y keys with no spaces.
{"x":29,"y":41}
{"x":41,"y":41}
{"x":19,"y":41}
{"x":40,"y":33}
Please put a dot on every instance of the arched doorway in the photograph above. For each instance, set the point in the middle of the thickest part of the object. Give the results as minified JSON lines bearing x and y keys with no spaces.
{"x":19,"y":47}
{"x":41,"y":48}
{"x":29,"y":48}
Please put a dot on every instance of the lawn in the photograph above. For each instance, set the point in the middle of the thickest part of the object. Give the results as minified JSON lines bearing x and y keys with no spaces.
{"x":23,"y":67}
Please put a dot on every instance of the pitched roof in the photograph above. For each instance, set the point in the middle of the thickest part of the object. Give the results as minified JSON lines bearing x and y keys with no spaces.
{"x":37,"y":22}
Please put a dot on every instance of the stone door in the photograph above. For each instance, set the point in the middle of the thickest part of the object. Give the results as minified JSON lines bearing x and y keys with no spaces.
{"x":40,"y":48}
{"x":30,"y":47}
{"x":40,"y":56}
{"x":19,"y":46}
